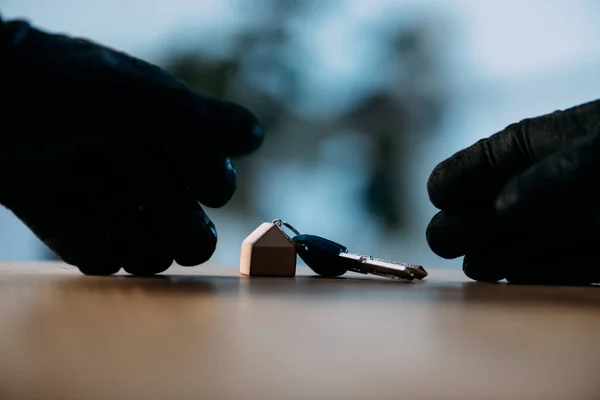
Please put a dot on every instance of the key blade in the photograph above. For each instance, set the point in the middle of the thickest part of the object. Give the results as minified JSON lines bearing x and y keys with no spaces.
{"x":389,"y":269}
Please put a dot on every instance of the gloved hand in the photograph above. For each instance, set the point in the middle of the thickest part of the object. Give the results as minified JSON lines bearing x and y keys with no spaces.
{"x":524,"y":204}
{"x":107,"y":158}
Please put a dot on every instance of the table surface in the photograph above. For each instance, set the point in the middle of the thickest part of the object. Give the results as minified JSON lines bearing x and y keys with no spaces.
{"x":208,"y":333}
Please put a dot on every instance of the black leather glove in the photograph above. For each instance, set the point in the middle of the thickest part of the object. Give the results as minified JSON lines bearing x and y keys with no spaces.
{"x":524,"y":204}
{"x":107,"y":158}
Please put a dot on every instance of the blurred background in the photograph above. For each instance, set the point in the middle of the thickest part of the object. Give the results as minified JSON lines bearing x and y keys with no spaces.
{"x":360,"y":99}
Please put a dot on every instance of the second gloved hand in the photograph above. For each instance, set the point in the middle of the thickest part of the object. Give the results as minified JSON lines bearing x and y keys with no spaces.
{"x":524,"y":204}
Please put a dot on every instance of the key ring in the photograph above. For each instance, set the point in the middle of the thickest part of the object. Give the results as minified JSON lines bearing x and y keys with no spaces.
{"x":281,"y":223}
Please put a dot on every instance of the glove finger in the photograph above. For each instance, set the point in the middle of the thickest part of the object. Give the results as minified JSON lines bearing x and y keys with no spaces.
{"x":232,"y":130}
{"x":194,"y":236}
{"x":92,"y":252}
{"x":475,"y":176}
{"x":525,"y":267}
{"x":86,"y":210}
{"x":143,"y":244}
{"x":563,"y":181}
{"x":209,"y":126}
{"x":158,"y":174}
{"x":564,"y":256}
{"x":100,"y":240}
{"x":153,"y":238}
{"x":219,"y":186}
{"x":209,"y":179}
{"x":483,"y":267}
{"x":198,"y":120}
{"x":451,"y":236}
{"x":169,"y":226}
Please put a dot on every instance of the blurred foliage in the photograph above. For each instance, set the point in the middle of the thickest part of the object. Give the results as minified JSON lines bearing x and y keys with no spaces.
{"x":259,"y":72}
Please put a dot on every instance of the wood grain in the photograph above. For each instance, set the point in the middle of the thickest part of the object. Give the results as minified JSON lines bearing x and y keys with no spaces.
{"x":209,"y":333}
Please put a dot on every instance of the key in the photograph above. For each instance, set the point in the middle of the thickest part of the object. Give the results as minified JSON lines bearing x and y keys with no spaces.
{"x":331,"y":259}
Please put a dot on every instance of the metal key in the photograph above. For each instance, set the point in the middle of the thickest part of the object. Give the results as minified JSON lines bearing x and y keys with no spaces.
{"x":328,"y":258}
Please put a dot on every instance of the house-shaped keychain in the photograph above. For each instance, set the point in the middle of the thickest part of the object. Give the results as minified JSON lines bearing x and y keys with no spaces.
{"x":268,"y":252}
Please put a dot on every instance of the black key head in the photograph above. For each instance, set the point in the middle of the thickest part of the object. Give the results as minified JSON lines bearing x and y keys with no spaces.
{"x":321,"y":255}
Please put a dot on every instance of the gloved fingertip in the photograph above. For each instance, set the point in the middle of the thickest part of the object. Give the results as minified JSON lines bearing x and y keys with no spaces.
{"x":241,"y":130}
{"x":481,"y":271}
{"x":444,"y":237}
{"x":248,"y":132}
{"x":96,"y":269}
{"x":221,"y":188}
{"x":438,"y":243}
{"x":196,"y":239}
{"x":92,"y":254}
{"x":149,"y":264}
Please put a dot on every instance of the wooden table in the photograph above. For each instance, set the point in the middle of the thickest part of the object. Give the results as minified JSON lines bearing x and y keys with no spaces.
{"x":206,"y":333}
